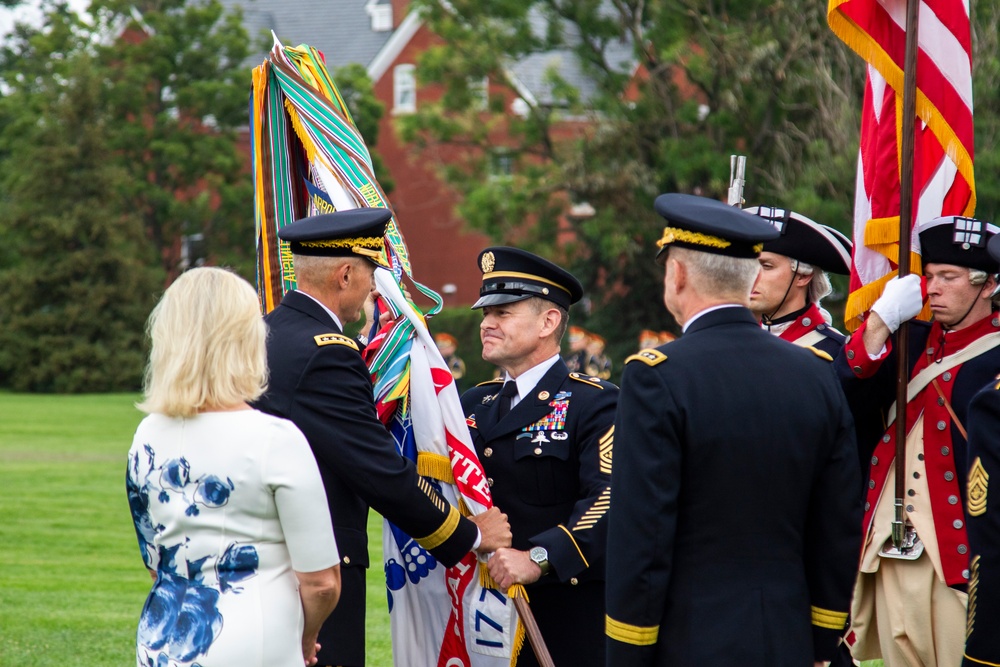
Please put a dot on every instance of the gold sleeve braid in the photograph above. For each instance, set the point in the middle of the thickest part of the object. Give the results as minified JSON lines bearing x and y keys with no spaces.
{"x":447,"y":527}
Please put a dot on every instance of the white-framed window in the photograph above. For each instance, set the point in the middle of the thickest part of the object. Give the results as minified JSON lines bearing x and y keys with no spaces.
{"x":404,"y":89}
{"x":480,"y":90}
{"x":381,"y":18}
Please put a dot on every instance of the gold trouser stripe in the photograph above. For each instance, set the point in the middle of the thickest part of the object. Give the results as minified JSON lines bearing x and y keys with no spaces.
{"x":441,"y":535}
{"x":435,"y":466}
{"x":981,"y":662}
{"x":636,"y":635}
{"x":824,"y":618}
{"x":582,"y":557}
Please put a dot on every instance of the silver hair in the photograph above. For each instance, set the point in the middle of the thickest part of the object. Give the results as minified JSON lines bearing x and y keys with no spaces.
{"x":819,"y":286}
{"x":719,"y":275}
{"x":313,"y":268}
{"x":979,"y":277}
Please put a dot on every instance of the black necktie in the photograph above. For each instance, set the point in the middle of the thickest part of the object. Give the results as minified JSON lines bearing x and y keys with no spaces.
{"x":507,"y":395}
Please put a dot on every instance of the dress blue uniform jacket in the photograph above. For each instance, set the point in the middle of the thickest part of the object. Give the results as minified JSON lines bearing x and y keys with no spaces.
{"x":319,"y":381}
{"x":733,"y":535}
{"x":982,"y":645}
{"x":548,"y":463}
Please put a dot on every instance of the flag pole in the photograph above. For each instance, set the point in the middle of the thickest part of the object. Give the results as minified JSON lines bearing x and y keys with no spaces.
{"x":905,"y":230}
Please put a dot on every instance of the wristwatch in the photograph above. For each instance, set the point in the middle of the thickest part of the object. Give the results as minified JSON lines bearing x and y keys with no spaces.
{"x":540,"y":557}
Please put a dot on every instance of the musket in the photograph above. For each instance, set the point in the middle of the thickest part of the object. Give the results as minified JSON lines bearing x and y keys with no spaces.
{"x":737,"y":179}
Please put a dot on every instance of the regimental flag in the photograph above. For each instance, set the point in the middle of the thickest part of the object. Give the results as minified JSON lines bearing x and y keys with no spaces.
{"x":943,"y":178}
{"x":309,"y":158}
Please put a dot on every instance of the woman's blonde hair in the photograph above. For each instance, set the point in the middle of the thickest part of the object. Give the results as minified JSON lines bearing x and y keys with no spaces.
{"x":207,"y":345}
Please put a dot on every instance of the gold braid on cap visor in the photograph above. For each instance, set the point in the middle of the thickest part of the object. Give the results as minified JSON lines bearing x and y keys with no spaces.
{"x":366,"y":246}
{"x":672,"y":234}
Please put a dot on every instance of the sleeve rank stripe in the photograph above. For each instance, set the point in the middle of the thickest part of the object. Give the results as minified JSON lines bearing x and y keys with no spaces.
{"x":637,"y":635}
{"x":606,"y":446}
{"x":596,"y":511}
{"x":824,"y":618}
{"x":441,"y":535}
{"x":982,"y":662}
{"x":435,"y":497}
{"x":973,"y":600}
{"x":573,"y":540}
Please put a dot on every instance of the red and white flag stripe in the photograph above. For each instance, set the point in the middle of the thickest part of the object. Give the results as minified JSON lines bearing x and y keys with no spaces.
{"x":944,"y":182}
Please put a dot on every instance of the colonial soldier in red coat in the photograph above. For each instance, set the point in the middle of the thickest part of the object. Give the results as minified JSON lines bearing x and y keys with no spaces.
{"x":910,"y":604}
{"x":793,"y":280}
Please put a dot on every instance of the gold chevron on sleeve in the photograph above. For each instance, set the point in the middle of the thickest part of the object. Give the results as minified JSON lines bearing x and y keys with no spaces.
{"x":595,"y":512}
{"x":435,"y":497}
{"x":832,"y":620}
{"x":441,"y":535}
{"x":637,"y":635}
{"x":606,"y":444}
{"x":978,"y":486}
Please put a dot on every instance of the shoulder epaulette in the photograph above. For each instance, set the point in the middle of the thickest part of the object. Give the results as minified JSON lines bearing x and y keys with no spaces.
{"x":650,"y":357}
{"x":493,"y":381}
{"x":335,"y":339}
{"x":819,"y":353}
{"x":592,"y":380}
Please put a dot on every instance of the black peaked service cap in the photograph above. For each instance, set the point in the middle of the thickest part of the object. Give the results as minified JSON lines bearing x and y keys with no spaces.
{"x":707,"y":225}
{"x":806,"y":240}
{"x":512,"y":274}
{"x":957,"y":240}
{"x":356,"y":232}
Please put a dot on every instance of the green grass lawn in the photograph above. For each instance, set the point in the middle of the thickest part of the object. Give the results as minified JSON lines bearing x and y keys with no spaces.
{"x":72,"y":582}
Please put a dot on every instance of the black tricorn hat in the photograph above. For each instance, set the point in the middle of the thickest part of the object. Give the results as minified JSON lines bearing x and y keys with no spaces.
{"x":957,"y":240}
{"x":709,"y":225}
{"x":512,"y":274}
{"x":806,"y":240}
{"x":356,"y":232}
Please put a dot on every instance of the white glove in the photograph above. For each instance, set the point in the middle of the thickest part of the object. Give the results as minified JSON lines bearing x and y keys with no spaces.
{"x":901,"y":300}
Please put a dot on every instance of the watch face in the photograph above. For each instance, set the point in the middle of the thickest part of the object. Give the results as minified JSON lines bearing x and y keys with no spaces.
{"x":538,"y":554}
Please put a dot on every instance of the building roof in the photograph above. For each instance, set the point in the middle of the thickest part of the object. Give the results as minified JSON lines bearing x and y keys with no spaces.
{"x":341,"y":29}
{"x":345,"y":36}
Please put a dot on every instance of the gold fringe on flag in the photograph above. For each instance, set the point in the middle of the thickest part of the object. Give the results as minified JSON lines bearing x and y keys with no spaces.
{"x":514,"y":592}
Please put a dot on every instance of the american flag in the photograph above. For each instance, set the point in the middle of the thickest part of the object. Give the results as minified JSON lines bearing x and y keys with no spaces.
{"x":944,"y":182}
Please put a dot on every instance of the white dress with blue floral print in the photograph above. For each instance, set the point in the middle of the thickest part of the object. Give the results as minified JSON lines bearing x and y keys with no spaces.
{"x":226,"y":505}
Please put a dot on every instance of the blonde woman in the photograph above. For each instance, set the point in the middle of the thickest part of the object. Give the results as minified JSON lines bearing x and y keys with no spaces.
{"x":228,"y":504}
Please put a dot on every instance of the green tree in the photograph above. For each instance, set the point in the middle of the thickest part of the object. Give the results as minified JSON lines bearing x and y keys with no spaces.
{"x":166,"y":92}
{"x":76,"y":273}
{"x":765,"y":79}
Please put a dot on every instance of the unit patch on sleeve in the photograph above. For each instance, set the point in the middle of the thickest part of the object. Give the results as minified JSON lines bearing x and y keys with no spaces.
{"x":649,"y":357}
{"x":335,"y":339}
{"x":979,"y":481}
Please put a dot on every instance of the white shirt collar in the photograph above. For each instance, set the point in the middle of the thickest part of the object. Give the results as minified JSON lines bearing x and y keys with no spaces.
{"x":323,"y":306}
{"x":706,"y":312}
{"x":527,"y":380}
